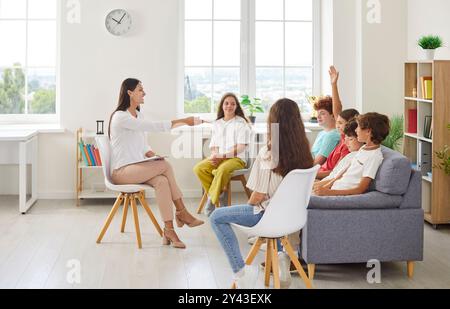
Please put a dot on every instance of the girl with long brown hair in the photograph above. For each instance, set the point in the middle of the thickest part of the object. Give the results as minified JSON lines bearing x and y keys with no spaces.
{"x":230,"y":137}
{"x":287,"y":150}
{"x":129,"y":153}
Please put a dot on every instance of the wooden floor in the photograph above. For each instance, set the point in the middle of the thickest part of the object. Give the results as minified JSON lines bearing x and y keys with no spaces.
{"x":35,"y":250}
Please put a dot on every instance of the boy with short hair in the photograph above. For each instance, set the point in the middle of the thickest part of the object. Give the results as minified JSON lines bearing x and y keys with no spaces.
{"x":372,"y":130}
{"x":329,"y":138}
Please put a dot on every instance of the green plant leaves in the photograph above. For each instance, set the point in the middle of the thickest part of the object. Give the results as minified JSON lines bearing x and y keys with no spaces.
{"x":430,"y":42}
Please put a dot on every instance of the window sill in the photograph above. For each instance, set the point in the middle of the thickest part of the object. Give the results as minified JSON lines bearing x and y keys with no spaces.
{"x":41,"y":128}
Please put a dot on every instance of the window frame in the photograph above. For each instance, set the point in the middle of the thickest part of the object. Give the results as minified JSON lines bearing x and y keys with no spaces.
{"x":248,"y":49}
{"x":19,"y":119}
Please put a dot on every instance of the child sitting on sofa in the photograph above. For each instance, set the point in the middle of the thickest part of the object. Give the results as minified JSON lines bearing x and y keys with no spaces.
{"x":372,"y":130}
{"x":352,"y":143}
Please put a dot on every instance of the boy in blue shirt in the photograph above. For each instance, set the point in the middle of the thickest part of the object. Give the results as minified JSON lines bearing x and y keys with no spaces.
{"x":329,"y":138}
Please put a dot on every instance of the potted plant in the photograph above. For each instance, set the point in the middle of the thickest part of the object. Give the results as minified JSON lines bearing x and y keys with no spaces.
{"x":252,"y":106}
{"x":430,"y":43}
{"x":396,"y":133}
{"x":444,"y":158}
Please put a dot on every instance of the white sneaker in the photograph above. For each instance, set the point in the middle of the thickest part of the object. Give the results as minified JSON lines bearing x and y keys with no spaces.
{"x":249,"y":278}
{"x":284,"y":268}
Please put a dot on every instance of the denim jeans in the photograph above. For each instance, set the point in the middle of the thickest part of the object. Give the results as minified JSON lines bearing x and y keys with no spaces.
{"x":221,"y":220}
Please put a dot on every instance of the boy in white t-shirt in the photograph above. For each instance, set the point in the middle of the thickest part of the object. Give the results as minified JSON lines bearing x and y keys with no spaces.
{"x":372,"y":130}
{"x":352,"y":143}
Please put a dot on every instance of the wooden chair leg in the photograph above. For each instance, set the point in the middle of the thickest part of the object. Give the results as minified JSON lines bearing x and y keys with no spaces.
{"x":125,"y":213}
{"x":410,"y":266}
{"x":275,"y":265}
{"x":294,"y":259}
{"x":111,"y":215}
{"x":136,"y":220}
{"x":147,"y":208}
{"x":268,"y":263}
{"x":202,"y":203}
{"x":311,"y":271}
{"x":254,"y":251}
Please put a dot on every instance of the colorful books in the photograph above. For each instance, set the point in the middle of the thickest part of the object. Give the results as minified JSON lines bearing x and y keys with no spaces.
{"x":90,"y":154}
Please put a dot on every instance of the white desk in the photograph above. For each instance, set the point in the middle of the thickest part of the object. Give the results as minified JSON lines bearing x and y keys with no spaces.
{"x":204,"y":132}
{"x":15,"y":146}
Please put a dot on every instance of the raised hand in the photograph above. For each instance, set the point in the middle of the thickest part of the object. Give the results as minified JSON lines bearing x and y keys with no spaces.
{"x":334,"y":75}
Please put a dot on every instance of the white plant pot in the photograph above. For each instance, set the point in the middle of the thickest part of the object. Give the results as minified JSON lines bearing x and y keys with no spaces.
{"x":430,"y":53}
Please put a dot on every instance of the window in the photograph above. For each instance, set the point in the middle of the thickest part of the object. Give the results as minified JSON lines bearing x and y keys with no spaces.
{"x":28,"y":32}
{"x":263,"y":48}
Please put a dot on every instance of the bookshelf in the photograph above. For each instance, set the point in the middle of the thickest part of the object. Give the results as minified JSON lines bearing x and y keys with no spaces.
{"x":421,"y":148}
{"x":90,"y":183}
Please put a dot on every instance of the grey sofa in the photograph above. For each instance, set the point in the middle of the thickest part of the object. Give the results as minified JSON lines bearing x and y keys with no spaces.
{"x":386,"y":224}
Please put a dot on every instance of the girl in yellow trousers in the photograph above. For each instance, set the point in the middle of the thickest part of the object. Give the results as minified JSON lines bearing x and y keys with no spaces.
{"x":230,"y":138}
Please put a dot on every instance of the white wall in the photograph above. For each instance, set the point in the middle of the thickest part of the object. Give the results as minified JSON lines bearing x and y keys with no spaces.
{"x":383,"y":48}
{"x":369,"y":56}
{"x":93,"y":64}
{"x":428,"y":17}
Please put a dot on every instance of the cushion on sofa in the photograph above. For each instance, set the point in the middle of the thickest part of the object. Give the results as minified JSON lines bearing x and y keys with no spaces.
{"x":371,"y":200}
{"x":394,"y":174}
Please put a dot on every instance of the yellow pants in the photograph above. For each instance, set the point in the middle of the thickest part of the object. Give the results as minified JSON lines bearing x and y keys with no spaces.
{"x":215,"y":178}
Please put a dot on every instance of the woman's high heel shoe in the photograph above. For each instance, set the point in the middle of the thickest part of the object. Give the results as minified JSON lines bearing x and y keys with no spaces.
{"x":181,"y":219}
{"x":167,"y":241}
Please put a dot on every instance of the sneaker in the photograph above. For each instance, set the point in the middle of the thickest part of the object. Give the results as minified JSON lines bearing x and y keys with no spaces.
{"x":210,"y":207}
{"x":248,"y":279}
{"x":284,"y":269}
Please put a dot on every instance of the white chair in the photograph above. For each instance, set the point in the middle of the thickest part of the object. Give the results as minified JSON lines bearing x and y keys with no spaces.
{"x":285,"y":215}
{"x":128,"y":195}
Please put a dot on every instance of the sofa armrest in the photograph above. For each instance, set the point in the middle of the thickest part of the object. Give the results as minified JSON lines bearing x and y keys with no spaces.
{"x":371,"y":200}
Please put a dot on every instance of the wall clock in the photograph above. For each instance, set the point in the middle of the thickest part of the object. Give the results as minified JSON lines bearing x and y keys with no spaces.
{"x":118,"y":22}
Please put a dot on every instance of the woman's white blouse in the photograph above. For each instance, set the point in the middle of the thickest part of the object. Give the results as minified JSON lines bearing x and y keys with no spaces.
{"x":129,"y":139}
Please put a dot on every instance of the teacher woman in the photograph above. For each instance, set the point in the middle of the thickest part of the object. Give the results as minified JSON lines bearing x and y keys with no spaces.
{"x":127,"y":132}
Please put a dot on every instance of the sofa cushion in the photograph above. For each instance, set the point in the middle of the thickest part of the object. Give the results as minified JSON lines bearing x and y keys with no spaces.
{"x":371,"y":200}
{"x":394,"y":174}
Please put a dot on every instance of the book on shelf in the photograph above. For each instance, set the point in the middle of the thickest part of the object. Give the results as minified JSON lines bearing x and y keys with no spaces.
{"x":412,"y":121}
{"x":89,"y":149}
{"x":427,"y":131}
{"x":90,"y":154}
{"x":97,"y":156}
{"x":426,"y":83}
{"x":83,"y":153}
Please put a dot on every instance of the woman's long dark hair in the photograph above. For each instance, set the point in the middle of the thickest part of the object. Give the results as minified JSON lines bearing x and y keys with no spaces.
{"x":239,"y":110}
{"x":129,"y":84}
{"x":293,"y":145}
